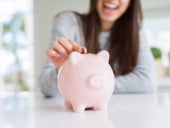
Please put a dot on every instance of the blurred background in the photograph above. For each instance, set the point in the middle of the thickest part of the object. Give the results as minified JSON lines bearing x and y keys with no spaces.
{"x":25,"y":27}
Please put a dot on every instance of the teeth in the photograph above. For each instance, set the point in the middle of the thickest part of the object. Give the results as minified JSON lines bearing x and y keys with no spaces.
{"x":111,"y":5}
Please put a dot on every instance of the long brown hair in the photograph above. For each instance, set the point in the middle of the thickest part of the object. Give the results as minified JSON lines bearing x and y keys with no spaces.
{"x":124,"y":35}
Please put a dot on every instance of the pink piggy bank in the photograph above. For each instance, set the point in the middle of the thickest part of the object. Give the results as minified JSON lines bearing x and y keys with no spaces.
{"x":86,"y":81}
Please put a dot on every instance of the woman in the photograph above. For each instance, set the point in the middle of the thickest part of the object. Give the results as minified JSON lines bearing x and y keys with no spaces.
{"x":113,"y":25}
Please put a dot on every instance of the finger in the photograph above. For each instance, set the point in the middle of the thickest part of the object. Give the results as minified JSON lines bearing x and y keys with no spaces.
{"x":56,"y":58}
{"x":53,"y":56}
{"x":66,"y":44}
{"x":59,"y":49}
{"x":76,"y":47}
{"x":52,"y":53}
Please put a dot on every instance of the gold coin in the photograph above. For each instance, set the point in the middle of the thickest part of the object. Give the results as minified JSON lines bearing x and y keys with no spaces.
{"x":84,"y":50}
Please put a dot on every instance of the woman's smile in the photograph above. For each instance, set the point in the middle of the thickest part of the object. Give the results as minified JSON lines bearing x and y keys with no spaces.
{"x":110,"y":8}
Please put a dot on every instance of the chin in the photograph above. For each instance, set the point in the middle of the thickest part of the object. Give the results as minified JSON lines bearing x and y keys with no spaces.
{"x":109,"y":19}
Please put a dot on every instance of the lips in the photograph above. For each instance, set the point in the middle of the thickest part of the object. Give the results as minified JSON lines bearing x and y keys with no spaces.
{"x":109,"y":8}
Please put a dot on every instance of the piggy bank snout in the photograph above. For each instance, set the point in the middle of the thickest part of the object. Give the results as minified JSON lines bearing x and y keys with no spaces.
{"x":96,"y":81}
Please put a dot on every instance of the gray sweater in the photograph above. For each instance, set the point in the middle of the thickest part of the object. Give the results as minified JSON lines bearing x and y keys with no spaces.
{"x":140,"y":80}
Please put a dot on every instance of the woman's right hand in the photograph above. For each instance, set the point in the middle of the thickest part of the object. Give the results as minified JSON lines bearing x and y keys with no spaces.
{"x":61,"y":49}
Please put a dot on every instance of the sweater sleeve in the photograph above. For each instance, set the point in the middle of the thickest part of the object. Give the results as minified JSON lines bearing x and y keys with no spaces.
{"x":64,"y":26}
{"x":143,"y":77}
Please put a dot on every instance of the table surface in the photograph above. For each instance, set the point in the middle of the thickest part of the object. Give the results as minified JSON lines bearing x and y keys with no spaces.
{"x":23,"y":110}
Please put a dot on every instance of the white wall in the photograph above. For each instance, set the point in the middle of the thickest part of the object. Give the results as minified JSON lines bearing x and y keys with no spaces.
{"x":44,"y":11}
{"x":156,"y":8}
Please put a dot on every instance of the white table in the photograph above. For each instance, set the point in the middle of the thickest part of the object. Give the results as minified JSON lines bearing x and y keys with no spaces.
{"x":124,"y":111}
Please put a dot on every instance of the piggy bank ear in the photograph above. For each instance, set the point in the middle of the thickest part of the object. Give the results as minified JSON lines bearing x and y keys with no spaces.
{"x":104,"y":55}
{"x":75,"y":57}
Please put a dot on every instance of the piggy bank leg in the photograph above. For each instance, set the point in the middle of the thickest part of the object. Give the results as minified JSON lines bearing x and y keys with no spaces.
{"x":101,"y":106}
{"x":78,"y":108}
{"x":67,"y":104}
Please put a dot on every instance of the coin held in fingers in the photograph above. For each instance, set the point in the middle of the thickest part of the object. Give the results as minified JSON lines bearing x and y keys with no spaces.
{"x":84,"y":50}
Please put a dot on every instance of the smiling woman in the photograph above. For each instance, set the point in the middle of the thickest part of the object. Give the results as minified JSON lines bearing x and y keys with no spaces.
{"x":112,"y":25}
{"x":16,"y":45}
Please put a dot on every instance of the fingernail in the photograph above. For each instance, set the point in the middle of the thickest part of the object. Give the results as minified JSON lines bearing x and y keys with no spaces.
{"x":56,"y":54}
{"x":79,"y":49}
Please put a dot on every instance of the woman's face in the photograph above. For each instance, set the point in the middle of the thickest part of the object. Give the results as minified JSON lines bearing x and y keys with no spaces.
{"x":111,"y":10}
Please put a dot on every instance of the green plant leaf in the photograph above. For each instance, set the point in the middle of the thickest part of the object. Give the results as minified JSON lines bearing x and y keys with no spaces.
{"x":157,"y":53}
